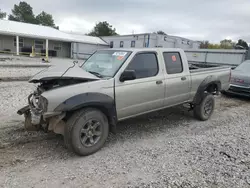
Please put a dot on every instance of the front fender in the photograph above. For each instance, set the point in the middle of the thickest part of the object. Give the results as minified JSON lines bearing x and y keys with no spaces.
{"x":100,"y":101}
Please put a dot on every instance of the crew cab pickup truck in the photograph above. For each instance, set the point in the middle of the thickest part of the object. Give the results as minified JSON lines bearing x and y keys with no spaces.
{"x":85,"y":102}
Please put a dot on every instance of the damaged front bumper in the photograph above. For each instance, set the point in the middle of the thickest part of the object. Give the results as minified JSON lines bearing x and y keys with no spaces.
{"x":32,"y":110}
{"x":29,"y":124}
{"x":36,"y":118}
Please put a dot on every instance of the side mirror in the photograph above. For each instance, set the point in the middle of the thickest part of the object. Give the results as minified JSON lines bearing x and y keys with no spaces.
{"x":232,"y":68}
{"x":128,"y":75}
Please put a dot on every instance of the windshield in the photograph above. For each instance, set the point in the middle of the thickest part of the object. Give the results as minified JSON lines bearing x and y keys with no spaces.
{"x":105,"y":63}
{"x":244,"y":67}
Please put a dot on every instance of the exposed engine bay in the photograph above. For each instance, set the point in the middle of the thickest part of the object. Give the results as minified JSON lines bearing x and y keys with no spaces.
{"x":46,"y":85}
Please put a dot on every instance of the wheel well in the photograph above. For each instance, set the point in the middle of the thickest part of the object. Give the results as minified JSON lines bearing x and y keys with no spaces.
{"x":212,"y":88}
{"x":105,"y":111}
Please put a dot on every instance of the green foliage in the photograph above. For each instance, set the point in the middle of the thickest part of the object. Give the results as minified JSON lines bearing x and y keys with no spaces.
{"x":46,"y":19}
{"x":160,"y":32}
{"x":214,"y":46}
{"x":204,"y":44}
{"x":103,"y":29}
{"x":2,"y":14}
{"x":224,"y":44}
{"x":241,"y":44}
{"x":227,"y":44}
{"x":23,"y":13}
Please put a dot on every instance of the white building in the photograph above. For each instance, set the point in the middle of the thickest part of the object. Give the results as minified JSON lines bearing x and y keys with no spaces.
{"x":46,"y":41}
{"x":150,"y":40}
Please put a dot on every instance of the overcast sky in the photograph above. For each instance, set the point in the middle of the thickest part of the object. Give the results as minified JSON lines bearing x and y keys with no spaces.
{"x":212,"y":20}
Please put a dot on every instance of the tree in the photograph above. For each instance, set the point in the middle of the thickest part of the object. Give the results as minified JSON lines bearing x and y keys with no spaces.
{"x":103,"y":29}
{"x":2,"y":14}
{"x":23,"y":13}
{"x":214,"y":46}
{"x":46,"y":19}
{"x":160,"y":32}
{"x":204,"y":44}
{"x":242,"y":44}
{"x":227,"y":44}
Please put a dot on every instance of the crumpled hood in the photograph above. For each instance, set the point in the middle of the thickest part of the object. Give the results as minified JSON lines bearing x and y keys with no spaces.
{"x":63,"y":71}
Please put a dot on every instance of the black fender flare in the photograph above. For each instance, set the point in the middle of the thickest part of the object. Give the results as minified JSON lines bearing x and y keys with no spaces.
{"x":209,"y":80}
{"x":100,"y":101}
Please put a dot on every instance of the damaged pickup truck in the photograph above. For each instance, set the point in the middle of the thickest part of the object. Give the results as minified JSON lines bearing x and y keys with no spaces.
{"x":84,"y":103}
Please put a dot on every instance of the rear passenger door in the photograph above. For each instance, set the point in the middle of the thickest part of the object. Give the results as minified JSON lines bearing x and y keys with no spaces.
{"x":177,"y":79}
{"x":146,"y":92}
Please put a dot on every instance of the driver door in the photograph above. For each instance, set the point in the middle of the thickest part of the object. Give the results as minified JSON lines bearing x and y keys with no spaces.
{"x":146,"y":92}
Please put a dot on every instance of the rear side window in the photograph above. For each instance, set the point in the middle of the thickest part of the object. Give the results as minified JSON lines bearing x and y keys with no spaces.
{"x":173,"y":62}
{"x":144,"y":64}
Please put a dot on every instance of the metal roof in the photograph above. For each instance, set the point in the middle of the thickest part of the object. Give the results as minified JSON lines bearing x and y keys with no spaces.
{"x":155,"y":34}
{"x":215,"y":50}
{"x":44,"y":32}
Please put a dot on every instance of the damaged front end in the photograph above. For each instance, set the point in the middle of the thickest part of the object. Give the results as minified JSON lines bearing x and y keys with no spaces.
{"x":36,"y":116}
{"x":36,"y":112}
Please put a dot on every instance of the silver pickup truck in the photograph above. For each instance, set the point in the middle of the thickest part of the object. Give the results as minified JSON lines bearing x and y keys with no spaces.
{"x":85,"y":102}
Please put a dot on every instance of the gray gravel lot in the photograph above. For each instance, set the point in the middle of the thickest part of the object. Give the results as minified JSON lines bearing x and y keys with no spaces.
{"x":16,"y":67}
{"x":162,"y":149}
{"x":19,"y":72}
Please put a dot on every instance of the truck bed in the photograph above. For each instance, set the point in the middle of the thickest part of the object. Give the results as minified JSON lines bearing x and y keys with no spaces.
{"x":199,"y":71}
{"x":200,"y":67}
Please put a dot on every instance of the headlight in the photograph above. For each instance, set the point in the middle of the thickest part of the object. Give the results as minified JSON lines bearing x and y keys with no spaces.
{"x":38,"y":102}
{"x":43,"y":103}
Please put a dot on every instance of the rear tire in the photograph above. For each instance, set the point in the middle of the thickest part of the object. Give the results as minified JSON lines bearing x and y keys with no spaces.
{"x":204,"y":110}
{"x":86,"y":131}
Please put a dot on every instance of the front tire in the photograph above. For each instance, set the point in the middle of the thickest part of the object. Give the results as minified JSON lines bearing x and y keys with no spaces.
{"x":86,"y":131}
{"x":205,"y":109}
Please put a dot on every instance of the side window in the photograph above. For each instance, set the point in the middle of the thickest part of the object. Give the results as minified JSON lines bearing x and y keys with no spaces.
{"x":21,"y":43}
{"x":132,"y":44}
{"x":173,"y":62}
{"x":145,"y":65}
{"x":111,"y":45}
{"x":121,"y":44}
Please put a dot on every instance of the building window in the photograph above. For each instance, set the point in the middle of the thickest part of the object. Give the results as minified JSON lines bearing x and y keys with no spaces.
{"x":57,"y":46}
{"x":21,"y":43}
{"x":39,"y":44}
{"x":111,"y":45}
{"x":132,"y":44}
{"x":121,"y":44}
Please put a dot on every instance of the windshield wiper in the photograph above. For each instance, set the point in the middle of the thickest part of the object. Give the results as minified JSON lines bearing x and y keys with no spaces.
{"x":96,"y":74}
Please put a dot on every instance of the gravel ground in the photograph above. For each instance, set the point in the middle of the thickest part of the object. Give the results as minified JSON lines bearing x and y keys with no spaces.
{"x":13,"y":96}
{"x":162,"y":149}
{"x":16,"y":71}
{"x":22,"y":60}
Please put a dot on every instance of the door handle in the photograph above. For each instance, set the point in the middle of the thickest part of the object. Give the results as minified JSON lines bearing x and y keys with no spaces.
{"x":183,"y":78}
{"x":159,"y":82}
